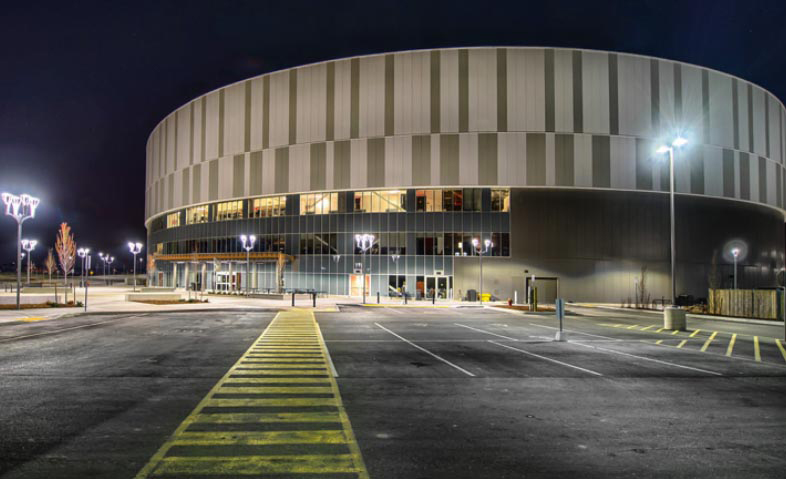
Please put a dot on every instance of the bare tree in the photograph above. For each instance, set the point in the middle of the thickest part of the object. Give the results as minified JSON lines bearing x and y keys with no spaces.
{"x":66,"y":250}
{"x":51,"y":264}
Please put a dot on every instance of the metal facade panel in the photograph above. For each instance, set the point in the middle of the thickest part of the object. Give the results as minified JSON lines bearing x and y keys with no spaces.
{"x":449,"y":91}
{"x":511,"y":166}
{"x":482,"y":90}
{"x":411,"y":93}
{"x":595,"y":92}
{"x":526,"y":90}
{"x":279,"y":109}
{"x":635,"y":105}
{"x":372,"y":97}
{"x":211,"y":126}
{"x":234,"y":119}
{"x":311,"y":103}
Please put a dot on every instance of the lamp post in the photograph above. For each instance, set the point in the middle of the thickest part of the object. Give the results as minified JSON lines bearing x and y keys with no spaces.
{"x":135,"y":249}
{"x":20,"y":208}
{"x":676,"y":143}
{"x":481,"y":251}
{"x":248,"y":245}
{"x":735,"y":252}
{"x":82,"y":252}
{"x":364,"y":242}
{"x":29,"y":246}
{"x":395,"y":258}
{"x":109,"y":260}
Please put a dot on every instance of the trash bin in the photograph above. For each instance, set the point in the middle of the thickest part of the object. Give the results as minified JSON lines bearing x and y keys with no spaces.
{"x":472,"y":295}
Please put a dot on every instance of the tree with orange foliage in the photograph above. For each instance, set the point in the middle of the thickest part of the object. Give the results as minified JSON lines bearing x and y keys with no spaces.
{"x":50,"y":264}
{"x":66,"y":250}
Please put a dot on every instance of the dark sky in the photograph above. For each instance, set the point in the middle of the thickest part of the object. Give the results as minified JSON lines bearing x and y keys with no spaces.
{"x":83,"y":83}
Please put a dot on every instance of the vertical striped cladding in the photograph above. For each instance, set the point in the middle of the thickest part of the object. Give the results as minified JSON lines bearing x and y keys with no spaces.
{"x":478,"y":116}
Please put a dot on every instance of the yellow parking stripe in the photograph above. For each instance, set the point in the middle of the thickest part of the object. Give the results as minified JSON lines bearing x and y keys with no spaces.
{"x":648,"y":327}
{"x":660,"y":341}
{"x":731,"y":345}
{"x":279,"y":394}
{"x":708,"y":341}
{"x":780,"y":346}
{"x":682,"y":343}
{"x":659,"y":330}
{"x":633,"y":327}
{"x":694,"y":333}
{"x":676,"y":331}
{"x":756,"y":350}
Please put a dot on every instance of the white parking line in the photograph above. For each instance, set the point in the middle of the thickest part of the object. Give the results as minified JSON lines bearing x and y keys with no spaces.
{"x":485,"y":332}
{"x":578,"y":332}
{"x":427,"y":351}
{"x":650,"y":359}
{"x":394,"y":310}
{"x":547,"y":359}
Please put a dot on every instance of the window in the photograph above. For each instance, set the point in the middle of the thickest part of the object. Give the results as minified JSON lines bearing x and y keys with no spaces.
{"x":500,"y":200}
{"x":196,"y":214}
{"x":319,"y":243}
{"x":230,"y":210}
{"x":159,"y":248}
{"x":318,"y":203}
{"x":266,"y":207}
{"x":434,"y":201}
{"x":386,"y":201}
{"x":173,"y":220}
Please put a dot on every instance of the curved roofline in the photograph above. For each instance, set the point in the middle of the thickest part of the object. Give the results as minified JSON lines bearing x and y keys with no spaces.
{"x":420,"y":50}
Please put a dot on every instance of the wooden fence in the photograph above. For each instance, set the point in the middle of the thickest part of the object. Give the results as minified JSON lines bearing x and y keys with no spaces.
{"x":744,"y":303}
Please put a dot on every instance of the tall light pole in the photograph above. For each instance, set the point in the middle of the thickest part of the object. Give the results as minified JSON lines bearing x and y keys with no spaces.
{"x":248,"y":245}
{"x":364,"y":242}
{"x":735,"y":252}
{"x":108,"y":261}
{"x":395,"y":258}
{"x":20,"y":208}
{"x":29,"y":246}
{"x":83,"y":252}
{"x":676,"y":143}
{"x":135,"y":249}
{"x":481,"y":251}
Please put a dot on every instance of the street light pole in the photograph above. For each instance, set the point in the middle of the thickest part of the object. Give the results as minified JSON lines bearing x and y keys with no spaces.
{"x":82,"y":252}
{"x":678,"y":142}
{"x":364,"y":242}
{"x":735,"y":253}
{"x":29,"y":246}
{"x":248,"y":245}
{"x":476,"y":244}
{"x":135,"y":249}
{"x":20,"y":208}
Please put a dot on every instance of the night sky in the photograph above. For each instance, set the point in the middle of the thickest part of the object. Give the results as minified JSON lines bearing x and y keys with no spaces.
{"x":83,"y":83}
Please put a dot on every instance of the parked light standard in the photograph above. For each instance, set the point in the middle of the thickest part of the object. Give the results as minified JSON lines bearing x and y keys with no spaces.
{"x":135,"y":249}
{"x":248,"y":245}
{"x":20,"y":208}
{"x":83,"y":252}
{"x":395,"y":258}
{"x":364,"y":242}
{"x":486,"y":245}
{"x":29,"y":246}
{"x":676,"y":143}
{"x":735,"y":252}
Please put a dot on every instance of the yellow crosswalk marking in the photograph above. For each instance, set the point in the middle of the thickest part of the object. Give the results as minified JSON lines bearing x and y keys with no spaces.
{"x":708,"y":341}
{"x":280,"y":397}
{"x":694,"y":333}
{"x":756,"y":350}
{"x":780,"y":346}
{"x":731,"y":345}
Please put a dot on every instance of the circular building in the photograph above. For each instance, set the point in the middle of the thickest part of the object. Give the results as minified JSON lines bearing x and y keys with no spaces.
{"x":528,"y":164}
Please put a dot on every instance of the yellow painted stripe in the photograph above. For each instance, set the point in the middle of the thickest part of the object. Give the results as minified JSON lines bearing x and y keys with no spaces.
{"x":633,"y":327}
{"x":756,"y":350}
{"x":288,"y":354}
{"x":780,"y":346}
{"x":682,"y":343}
{"x":694,"y":333}
{"x":260,"y":438}
{"x":708,"y":341}
{"x":228,"y":388}
{"x":33,"y":318}
{"x":731,"y":345}
{"x":659,"y":330}
{"x":253,"y":417}
{"x":648,"y":327}
{"x":659,"y":341}
{"x":676,"y":331}
{"x":294,"y":464}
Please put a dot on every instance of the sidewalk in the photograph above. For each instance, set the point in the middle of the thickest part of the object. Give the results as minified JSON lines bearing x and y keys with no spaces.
{"x":708,"y":317}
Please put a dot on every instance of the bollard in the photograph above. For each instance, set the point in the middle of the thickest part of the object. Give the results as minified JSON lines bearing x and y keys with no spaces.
{"x":87,"y":283}
{"x":405,"y":297}
{"x":377,"y":297}
{"x":315,"y":299}
{"x":434,"y":297}
{"x":559,"y":309}
{"x":293,"y":298}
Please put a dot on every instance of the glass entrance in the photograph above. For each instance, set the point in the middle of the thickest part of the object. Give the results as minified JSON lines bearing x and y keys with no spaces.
{"x":442,"y":286}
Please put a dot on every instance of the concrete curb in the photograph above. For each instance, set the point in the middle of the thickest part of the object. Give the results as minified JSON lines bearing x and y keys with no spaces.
{"x":763,"y":322}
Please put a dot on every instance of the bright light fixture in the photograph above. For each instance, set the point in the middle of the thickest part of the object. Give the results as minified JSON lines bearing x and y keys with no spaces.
{"x":662,"y":149}
{"x":679,"y":141}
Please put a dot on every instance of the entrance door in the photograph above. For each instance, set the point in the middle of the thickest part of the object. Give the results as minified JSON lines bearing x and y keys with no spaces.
{"x":440,"y":285}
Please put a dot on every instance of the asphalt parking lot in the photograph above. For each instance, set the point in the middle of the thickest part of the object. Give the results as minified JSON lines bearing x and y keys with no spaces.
{"x":422,"y":393}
